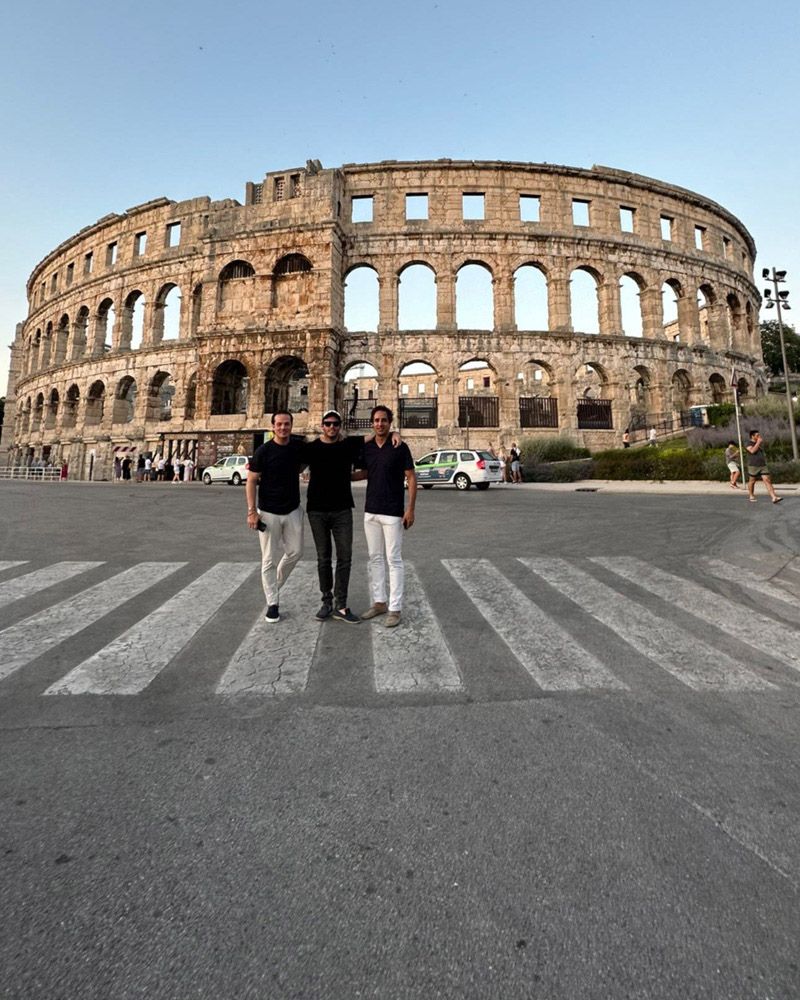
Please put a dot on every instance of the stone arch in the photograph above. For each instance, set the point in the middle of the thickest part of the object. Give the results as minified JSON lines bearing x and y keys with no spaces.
{"x":735,"y":318}
{"x":292,"y":263}
{"x":478,"y":393}
{"x":61,"y":341}
{"x":80,"y":332}
{"x":229,"y":388}
{"x":286,"y":384}
{"x":591,"y":381}
{"x":474,"y":296}
{"x":584,"y":299}
{"x":236,"y":287}
{"x":418,"y":395}
{"x":95,"y":402}
{"x":71,"y":403}
{"x":357,"y":393}
{"x":167,"y":313}
{"x":47,"y":344}
{"x":742,"y":388}
{"x":717,"y":388}
{"x":197,"y":307}
{"x":681,"y":390}
{"x":416,"y":296}
{"x":160,"y":396}
{"x":531,"y":296}
{"x":105,"y":322}
{"x":631,"y":286}
{"x":361,"y":299}
{"x":131,"y":329}
{"x":642,"y":390}
{"x":705,"y":302}
{"x":38,"y":411}
{"x":26,"y":415}
{"x":124,"y":401}
{"x":671,"y":292}
{"x":291,"y":284}
{"x":53,"y":401}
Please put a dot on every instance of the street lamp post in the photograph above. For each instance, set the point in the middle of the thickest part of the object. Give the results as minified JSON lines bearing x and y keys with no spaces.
{"x":780,"y":301}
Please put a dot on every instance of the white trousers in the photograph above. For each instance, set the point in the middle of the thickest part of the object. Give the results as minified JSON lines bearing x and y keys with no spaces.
{"x":385,"y":545}
{"x":281,"y":548}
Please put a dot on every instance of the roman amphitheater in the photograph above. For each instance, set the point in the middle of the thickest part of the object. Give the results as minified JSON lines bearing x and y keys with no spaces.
{"x":482,"y":301}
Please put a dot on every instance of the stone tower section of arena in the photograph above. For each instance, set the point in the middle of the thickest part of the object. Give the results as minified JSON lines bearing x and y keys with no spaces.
{"x":490,"y":300}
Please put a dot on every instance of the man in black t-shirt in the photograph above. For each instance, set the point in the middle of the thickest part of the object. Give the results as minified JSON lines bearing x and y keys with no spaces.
{"x":329,"y":503}
{"x":273,"y":500}
{"x":388,"y":469}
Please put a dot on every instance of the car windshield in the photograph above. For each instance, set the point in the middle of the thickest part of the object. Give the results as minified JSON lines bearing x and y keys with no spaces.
{"x":487,"y":456}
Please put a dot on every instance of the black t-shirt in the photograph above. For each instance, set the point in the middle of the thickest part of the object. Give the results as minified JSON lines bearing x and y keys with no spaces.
{"x":279,"y":466}
{"x":386,"y":468}
{"x":329,"y":466}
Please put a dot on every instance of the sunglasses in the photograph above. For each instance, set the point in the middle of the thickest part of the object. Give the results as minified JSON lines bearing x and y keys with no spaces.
{"x":331,"y":423}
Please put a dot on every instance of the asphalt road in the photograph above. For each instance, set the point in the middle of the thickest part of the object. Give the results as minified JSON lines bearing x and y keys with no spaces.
{"x":591,"y":789}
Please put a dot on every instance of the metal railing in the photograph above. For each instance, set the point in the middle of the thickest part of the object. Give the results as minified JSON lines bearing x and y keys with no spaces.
{"x":29,"y":472}
{"x":595,"y":415}
{"x":478,"y":411}
{"x":538,"y":411}
{"x":419,"y":413}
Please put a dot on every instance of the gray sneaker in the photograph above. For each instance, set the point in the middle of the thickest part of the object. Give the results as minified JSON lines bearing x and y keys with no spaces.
{"x":374,"y":611}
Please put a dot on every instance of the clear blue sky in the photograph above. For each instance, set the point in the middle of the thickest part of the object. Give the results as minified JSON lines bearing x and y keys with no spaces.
{"x":105,"y":106}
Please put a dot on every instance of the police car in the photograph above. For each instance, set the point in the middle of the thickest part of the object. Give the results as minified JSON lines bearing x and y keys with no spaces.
{"x":460,"y":468}
{"x":231,"y":470}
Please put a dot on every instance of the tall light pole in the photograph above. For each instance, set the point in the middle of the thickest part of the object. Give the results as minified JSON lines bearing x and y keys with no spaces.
{"x":781,"y":301}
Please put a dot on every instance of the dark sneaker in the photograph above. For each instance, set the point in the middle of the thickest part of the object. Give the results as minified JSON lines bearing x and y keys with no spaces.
{"x":345,"y":616}
{"x":272,"y":615}
{"x":325,"y":611}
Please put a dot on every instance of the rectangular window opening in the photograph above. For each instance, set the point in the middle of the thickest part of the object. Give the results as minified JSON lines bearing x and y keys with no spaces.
{"x":666,"y":228}
{"x":626,"y":217}
{"x":404,"y":389}
{"x":294,"y":186}
{"x":54,"y":283}
{"x":530,"y":208}
{"x":361,"y":208}
{"x":699,"y":237}
{"x":580,"y":212}
{"x":278,"y":189}
{"x":88,"y":262}
{"x":139,"y":244}
{"x":420,"y":388}
{"x":111,"y":254}
{"x":416,"y":206}
{"x":727,"y":249}
{"x":70,"y":274}
{"x":473,"y":206}
{"x":173,"y":234}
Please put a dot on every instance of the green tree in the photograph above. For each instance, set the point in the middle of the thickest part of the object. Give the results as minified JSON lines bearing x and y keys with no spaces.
{"x":771,"y":347}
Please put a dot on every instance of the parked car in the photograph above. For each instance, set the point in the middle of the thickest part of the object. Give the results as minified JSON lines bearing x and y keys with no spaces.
{"x":460,"y":468}
{"x":231,"y":470}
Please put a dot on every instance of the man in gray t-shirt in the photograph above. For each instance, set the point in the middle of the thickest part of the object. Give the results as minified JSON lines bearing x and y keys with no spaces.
{"x":757,"y":468}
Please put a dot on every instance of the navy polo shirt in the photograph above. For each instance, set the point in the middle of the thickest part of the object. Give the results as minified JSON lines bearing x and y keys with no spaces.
{"x":386,"y":472}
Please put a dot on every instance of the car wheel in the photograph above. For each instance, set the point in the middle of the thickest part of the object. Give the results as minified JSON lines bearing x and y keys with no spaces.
{"x":207,"y":479}
{"x":461,"y":481}
{"x":481,"y":486}
{"x":236,"y":479}
{"x":427,"y":486}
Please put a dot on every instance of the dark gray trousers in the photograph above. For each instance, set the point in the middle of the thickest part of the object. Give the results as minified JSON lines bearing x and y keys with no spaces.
{"x":329,"y":528}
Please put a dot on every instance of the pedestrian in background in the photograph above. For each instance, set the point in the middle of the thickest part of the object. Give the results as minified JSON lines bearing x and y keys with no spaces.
{"x":757,"y":468}
{"x":732,"y":461}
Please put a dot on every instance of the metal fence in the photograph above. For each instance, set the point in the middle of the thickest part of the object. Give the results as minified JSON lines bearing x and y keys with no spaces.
{"x":29,"y":472}
{"x":478,"y":411}
{"x":355,"y":414}
{"x":538,"y":411}
{"x":419,"y":413}
{"x":595,"y":415}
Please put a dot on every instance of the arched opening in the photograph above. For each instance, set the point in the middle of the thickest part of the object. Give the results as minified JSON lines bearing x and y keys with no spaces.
{"x":124,"y":401}
{"x":80,"y":330}
{"x":190,"y":406}
{"x":681,"y":390}
{"x":236,"y":287}
{"x":26,"y":416}
{"x":160,"y":396}
{"x":705,"y":300}
{"x":167,"y":314}
{"x":38,"y":412}
{"x":641,"y":393}
{"x":417,"y":297}
{"x":584,"y":301}
{"x":292,"y":263}
{"x":474,"y":297}
{"x":630,"y":304}
{"x":47,"y":343}
{"x":106,"y":321}
{"x":95,"y":400}
{"x":229,"y":389}
{"x":418,"y":395}
{"x":62,"y":341}
{"x":286,"y":385}
{"x":361,"y":299}
{"x":197,"y":306}
{"x":592,"y":393}
{"x":538,"y":403}
{"x":35,"y":347}
{"x":478,"y":394}
{"x":52,"y":410}
{"x":717,"y":388}
{"x":359,"y":393}
{"x":733,"y":311}
{"x":71,"y":403}
{"x":530,"y":298}
{"x":291,"y":284}
{"x":742,"y":388}
{"x":670,"y":293}
{"x":132,"y":326}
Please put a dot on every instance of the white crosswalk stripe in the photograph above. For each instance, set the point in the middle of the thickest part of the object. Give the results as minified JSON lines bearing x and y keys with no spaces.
{"x":415,"y":658}
{"x":276,"y":659}
{"x":23,"y":642}
{"x":751,"y":581}
{"x":686,"y":657}
{"x":10,"y":564}
{"x":40,"y":579}
{"x":756,"y":629}
{"x":129,"y":664}
{"x":550,"y":655}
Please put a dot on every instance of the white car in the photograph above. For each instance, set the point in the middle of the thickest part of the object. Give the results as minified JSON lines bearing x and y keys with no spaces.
{"x":458,"y":467}
{"x":231,"y":470}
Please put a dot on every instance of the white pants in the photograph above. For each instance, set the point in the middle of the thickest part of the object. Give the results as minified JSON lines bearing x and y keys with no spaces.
{"x":281,"y":548}
{"x":385,"y":545}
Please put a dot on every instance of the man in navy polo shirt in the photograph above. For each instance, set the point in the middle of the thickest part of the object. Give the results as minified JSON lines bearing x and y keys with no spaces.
{"x":388,"y":469}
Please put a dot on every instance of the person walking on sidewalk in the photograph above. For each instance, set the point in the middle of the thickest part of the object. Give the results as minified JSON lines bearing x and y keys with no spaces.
{"x":757,"y":468}
{"x":732,"y":461}
{"x":273,"y":500}
{"x":387,"y":470}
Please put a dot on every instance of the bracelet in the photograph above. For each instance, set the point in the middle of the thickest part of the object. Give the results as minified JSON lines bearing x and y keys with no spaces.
{"x":252,"y":510}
